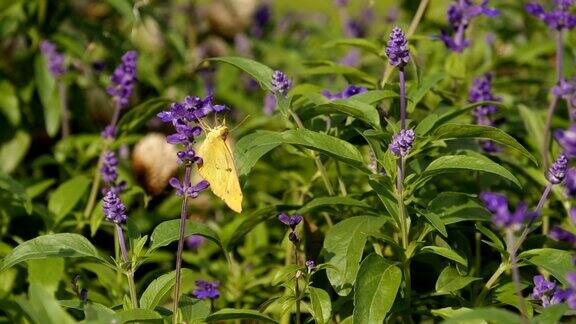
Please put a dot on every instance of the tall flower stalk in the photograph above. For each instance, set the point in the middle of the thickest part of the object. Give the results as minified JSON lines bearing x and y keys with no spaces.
{"x":122,"y":82}
{"x":557,"y":19}
{"x":186,"y":117}
{"x":398,"y":55}
{"x":292,"y":222}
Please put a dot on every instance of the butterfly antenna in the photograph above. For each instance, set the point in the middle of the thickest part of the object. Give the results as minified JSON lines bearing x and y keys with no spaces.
{"x":240,"y":123}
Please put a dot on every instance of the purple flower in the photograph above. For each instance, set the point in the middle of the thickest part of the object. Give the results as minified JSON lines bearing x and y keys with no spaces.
{"x":481,"y":90}
{"x":497,"y":204}
{"x":397,"y":48}
{"x":54,"y":59}
{"x":348,"y":92}
{"x":109,"y":167}
{"x":291,"y":221}
{"x":269,"y":104}
{"x":557,"y":171}
{"x":460,"y":14}
{"x":402,"y":142}
{"x":188,"y":189}
{"x":206,"y":289}
{"x":557,"y":233}
{"x":260,"y":19}
{"x":114,"y":209}
{"x":123,"y":79}
{"x":109,"y":132}
{"x":558,"y":17}
{"x":195,"y":241}
{"x":352,"y":58}
{"x":567,"y":139}
{"x":572,"y":214}
{"x":542,"y":287}
{"x":280,"y":82}
{"x":310,"y":264}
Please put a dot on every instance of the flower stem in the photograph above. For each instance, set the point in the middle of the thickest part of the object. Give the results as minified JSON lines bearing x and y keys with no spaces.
{"x":402,"y":98}
{"x":297,"y":287}
{"x":538,"y":209}
{"x":130,"y":272}
{"x":516,"y":275}
{"x":183,"y":217}
{"x":554,"y":100}
{"x":493,"y":279}
{"x":64,"y":116}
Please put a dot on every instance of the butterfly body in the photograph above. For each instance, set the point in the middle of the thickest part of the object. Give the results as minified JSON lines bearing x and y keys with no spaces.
{"x":218,"y":167}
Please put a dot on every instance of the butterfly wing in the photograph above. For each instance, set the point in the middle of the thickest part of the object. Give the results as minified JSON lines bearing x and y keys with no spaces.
{"x":218,"y":168}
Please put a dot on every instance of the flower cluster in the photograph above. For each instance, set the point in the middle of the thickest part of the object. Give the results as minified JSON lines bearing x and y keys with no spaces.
{"x":348,"y":92}
{"x":310,"y":264}
{"x":206,"y":289}
{"x":260,"y":19}
{"x":497,"y":204}
{"x":185,"y":116}
{"x":280,"y":82}
{"x":114,"y":209}
{"x":567,"y":139}
{"x":54,"y":59}
{"x":123,"y":79}
{"x":187,"y":188}
{"x":109,"y":173}
{"x":195,"y":241}
{"x":548,"y":292}
{"x":402,"y":142}
{"x":558,"y":17}
{"x":460,"y":14}
{"x":291,"y":221}
{"x":557,"y":171}
{"x":482,"y":91}
{"x":397,"y":48}
{"x":557,"y":233}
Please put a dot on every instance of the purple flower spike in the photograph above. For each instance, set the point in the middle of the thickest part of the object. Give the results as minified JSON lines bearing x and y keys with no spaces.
{"x":280,"y":82}
{"x":206,"y":289}
{"x":114,"y":209}
{"x":402,"y":142}
{"x":567,"y":139}
{"x":348,"y":92}
{"x":397,"y":48}
{"x":54,"y":59}
{"x":123,"y":79}
{"x":557,"y":18}
{"x":460,"y":15}
{"x":559,"y":234}
{"x":310,"y":264}
{"x":109,"y":167}
{"x":557,"y":171}
{"x":497,"y":204}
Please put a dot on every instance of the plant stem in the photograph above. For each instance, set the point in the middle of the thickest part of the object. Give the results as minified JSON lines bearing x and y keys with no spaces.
{"x":493,"y":279}
{"x":411,"y":30}
{"x":317,"y":160}
{"x":183,"y":217}
{"x":402,"y":98}
{"x":538,"y":209}
{"x":130,"y":272}
{"x":516,"y":275}
{"x":554,"y":100}
{"x":297,"y":287}
{"x":64,"y":116}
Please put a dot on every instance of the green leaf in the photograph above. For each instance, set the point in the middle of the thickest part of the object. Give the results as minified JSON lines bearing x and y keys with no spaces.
{"x":17,"y":190}
{"x":534,"y":124}
{"x":332,"y":201}
{"x":194,"y":311}
{"x":49,"y":96}
{"x":343,"y":249}
{"x":67,"y":196}
{"x":490,"y":314}
{"x":343,"y":70}
{"x":158,"y":289}
{"x":95,"y":312}
{"x":321,"y":305}
{"x":46,"y":307}
{"x":250,"y":148}
{"x":141,"y":114}
{"x":450,"y":280}
{"x":138,"y":315}
{"x":232,"y":314}
{"x":551,"y":314}
{"x":361,"y":43}
{"x":124,"y":8}
{"x":447,"y":253}
{"x":13,"y":151}
{"x":169,"y":231}
{"x":65,"y":245}
{"x":9,"y":104}
{"x":353,"y":108}
{"x":46,"y":273}
{"x":557,"y":262}
{"x":326,"y":144}
{"x":257,"y":70}
{"x":459,"y":131}
{"x":416,"y":95}
{"x":375,"y":289}
{"x":436,"y":222}
{"x":454,"y":207}
{"x":451,"y":163}
{"x":495,"y":240}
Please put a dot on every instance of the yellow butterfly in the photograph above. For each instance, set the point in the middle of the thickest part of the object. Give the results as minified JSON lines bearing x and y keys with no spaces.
{"x":218,"y":167}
